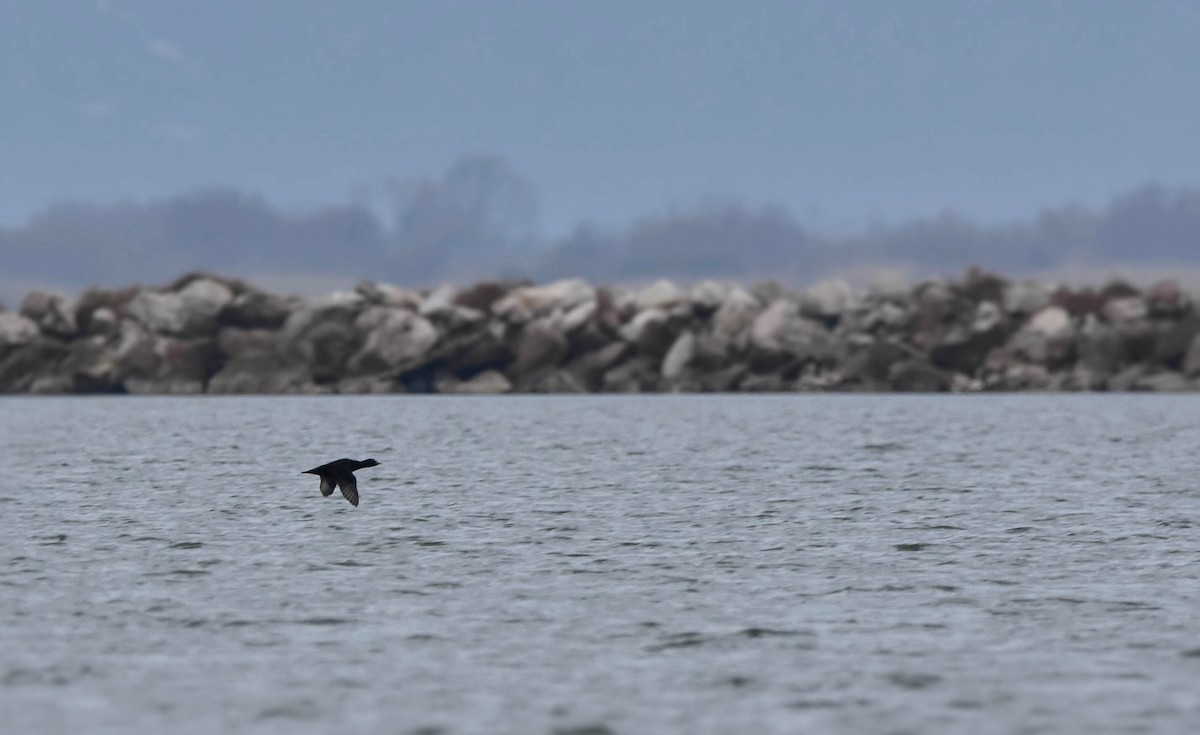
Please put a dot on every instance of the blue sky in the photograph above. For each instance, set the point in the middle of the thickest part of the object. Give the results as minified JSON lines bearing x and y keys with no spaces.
{"x":841,"y":111}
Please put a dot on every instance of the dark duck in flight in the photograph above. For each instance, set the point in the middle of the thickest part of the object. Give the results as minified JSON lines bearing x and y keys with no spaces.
{"x":340,"y":473}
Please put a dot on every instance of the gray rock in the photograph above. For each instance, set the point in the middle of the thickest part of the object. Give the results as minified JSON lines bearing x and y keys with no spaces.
{"x":1099,"y":349}
{"x":678,"y":357}
{"x":256,"y":310}
{"x":1127,"y":309}
{"x":397,"y":339}
{"x":649,"y":331}
{"x":557,"y":381}
{"x":780,"y":328}
{"x":733,"y":321}
{"x":191,"y":312}
{"x":16,"y":331}
{"x":637,"y":375}
{"x":828,"y":299}
{"x":1028,"y":297}
{"x":23,"y":364}
{"x":487,"y":382}
{"x":51,"y":312}
{"x":385,"y":294}
{"x":163,"y":386}
{"x":590,"y":367}
{"x":1165,"y":382}
{"x":542,"y":346}
{"x":662,"y":294}
{"x":708,"y":296}
{"x":912,"y":375}
{"x":440,"y":300}
{"x":1191,"y":359}
{"x":265,"y":373}
{"x":523,"y":304}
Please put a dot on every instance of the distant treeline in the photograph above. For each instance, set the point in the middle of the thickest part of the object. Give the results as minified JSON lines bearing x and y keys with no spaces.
{"x":478,"y":220}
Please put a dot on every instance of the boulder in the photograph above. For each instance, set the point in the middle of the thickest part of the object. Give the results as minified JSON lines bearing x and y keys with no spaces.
{"x":542,"y":346}
{"x":16,"y":331}
{"x":51,"y":312}
{"x":913,"y":375}
{"x":104,"y":322}
{"x":1166,"y":298}
{"x":979,"y":286}
{"x":556,"y":381}
{"x":186,"y":361}
{"x":261,"y":372}
{"x":385,"y":294}
{"x":870,"y":363}
{"x":781,"y":336}
{"x":163,"y":387}
{"x":90,"y":367}
{"x":963,"y":348}
{"x":708,"y":296}
{"x":678,"y":357}
{"x":484,"y":383}
{"x":136,"y":350}
{"x":1047,"y":338}
{"x":1099,"y":348}
{"x":322,"y":335}
{"x":396,"y":339}
{"x":255,"y":310}
{"x":527,"y":302}
{"x":661,"y":294}
{"x":192,"y":312}
{"x":22,"y":364}
{"x":885,"y":316}
{"x":590,"y":367}
{"x":636,"y":375}
{"x":1191,"y":359}
{"x":1125,"y":309}
{"x":1165,"y":382}
{"x":1028,"y":296}
{"x":233,"y":342}
{"x":733,"y":321}
{"x":828,"y":300}
{"x":889,"y":288}
{"x":438,"y":301}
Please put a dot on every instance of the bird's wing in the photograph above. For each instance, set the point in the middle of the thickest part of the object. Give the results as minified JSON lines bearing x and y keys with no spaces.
{"x":327,"y":485}
{"x":349,"y":487}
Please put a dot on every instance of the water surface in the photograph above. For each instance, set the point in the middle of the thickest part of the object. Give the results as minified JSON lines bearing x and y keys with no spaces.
{"x":699,"y":564}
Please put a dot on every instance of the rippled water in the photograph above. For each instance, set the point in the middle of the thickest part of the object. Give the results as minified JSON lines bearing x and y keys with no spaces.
{"x":719,"y":564}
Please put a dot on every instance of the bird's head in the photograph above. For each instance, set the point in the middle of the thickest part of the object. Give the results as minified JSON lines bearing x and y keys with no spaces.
{"x":369,"y":463}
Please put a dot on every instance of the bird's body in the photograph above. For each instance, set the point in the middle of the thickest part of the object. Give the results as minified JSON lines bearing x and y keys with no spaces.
{"x":340,"y":474}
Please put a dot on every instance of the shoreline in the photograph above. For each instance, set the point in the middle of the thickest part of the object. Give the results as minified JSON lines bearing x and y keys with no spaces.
{"x":980,"y":333}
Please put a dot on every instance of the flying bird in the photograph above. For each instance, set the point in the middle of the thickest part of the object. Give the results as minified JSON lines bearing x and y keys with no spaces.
{"x":340,"y":473}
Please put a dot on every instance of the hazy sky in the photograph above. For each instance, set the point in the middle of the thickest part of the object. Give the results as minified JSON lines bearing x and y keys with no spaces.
{"x":841,"y":111}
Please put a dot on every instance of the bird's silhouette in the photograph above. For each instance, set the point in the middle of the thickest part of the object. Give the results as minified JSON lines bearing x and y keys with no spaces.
{"x":340,"y":473}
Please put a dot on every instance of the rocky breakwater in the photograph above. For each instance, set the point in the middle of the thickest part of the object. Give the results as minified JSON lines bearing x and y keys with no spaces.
{"x":204,"y":334}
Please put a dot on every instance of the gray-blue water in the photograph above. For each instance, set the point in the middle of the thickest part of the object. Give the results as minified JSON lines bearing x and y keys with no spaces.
{"x":719,"y":564}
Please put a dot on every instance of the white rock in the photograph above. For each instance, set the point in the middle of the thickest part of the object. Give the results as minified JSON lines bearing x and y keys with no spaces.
{"x":1028,"y":296}
{"x":1128,"y":309}
{"x":710,"y":294}
{"x":633,"y":330}
{"x":662,"y":294}
{"x":1051,"y":322}
{"x":16,"y":330}
{"x":441,"y":300}
{"x":485,"y":383}
{"x":732,"y":321}
{"x":680,"y":354}
{"x":829,"y":298}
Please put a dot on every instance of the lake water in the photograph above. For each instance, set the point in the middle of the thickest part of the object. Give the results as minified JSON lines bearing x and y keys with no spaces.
{"x":593,"y":565}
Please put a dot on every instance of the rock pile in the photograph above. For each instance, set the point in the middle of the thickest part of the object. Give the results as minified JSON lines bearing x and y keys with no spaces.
{"x":204,"y":334}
